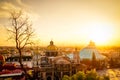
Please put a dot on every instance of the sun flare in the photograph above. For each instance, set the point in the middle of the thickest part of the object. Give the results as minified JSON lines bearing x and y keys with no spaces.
{"x":100,"y":33}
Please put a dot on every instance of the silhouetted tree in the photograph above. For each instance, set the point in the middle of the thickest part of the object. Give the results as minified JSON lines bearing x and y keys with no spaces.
{"x":21,"y":32}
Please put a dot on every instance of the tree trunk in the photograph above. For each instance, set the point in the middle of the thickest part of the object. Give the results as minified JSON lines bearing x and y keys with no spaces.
{"x":22,"y":67}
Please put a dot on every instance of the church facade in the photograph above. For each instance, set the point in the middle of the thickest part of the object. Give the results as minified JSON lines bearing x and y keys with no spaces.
{"x":53,"y":65}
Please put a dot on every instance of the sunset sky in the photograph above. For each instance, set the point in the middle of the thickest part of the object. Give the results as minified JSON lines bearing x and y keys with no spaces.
{"x":67,"y":22}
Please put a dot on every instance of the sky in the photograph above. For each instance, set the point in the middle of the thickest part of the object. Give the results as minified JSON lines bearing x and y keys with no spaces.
{"x":67,"y":22}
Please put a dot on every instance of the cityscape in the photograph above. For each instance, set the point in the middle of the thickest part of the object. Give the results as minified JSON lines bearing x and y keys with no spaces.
{"x":59,"y":40}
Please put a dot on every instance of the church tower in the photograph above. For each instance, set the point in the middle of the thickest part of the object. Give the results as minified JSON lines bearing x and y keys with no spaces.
{"x":76,"y":57}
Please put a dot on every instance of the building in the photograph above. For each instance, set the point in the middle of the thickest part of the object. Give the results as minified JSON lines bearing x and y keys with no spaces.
{"x":10,"y":71}
{"x":74,"y":56}
{"x":26,"y":61}
{"x":114,"y":58}
{"x":53,"y":65}
{"x":92,"y":57}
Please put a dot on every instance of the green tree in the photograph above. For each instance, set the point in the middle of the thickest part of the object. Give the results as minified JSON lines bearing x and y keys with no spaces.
{"x":80,"y":75}
{"x":106,"y":77}
{"x":65,"y":77}
{"x":91,"y":75}
{"x":74,"y":77}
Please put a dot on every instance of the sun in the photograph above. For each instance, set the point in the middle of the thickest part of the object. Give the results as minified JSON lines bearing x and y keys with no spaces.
{"x":100,"y":33}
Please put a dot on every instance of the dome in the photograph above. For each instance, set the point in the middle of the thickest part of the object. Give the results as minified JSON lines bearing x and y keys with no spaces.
{"x":89,"y":51}
{"x":61,"y":60}
{"x":51,"y":47}
{"x":51,"y":50}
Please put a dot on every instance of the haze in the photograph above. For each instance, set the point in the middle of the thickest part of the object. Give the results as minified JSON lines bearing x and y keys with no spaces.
{"x":67,"y":22}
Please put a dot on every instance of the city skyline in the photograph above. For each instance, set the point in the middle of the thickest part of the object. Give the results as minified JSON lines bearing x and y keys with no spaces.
{"x":67,"y":22}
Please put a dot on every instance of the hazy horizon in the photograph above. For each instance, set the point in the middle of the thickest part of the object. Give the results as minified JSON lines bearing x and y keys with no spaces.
{"x":67,"y":22}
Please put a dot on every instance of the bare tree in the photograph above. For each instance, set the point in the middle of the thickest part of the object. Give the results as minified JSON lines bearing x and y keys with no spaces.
{"x":21,"y":32}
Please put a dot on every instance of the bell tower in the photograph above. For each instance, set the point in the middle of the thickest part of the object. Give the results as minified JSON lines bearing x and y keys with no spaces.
{"x":76,"y":57}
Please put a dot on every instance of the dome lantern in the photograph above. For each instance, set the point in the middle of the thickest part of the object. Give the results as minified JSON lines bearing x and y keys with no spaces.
{"x":91,"y":44}
{"x":51,"y":42}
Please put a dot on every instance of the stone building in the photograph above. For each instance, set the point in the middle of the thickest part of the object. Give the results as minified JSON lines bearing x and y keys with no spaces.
{"x":53,"y":65}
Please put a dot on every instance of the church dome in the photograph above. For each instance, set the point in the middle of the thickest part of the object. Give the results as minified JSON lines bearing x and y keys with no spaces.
{"x":51,"y":50}
{"x":89,"y":51}
{"x":51,"y":47}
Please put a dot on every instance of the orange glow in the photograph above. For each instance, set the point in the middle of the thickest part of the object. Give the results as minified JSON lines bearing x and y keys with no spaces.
{"x":67,"y":23}
{"x":101,"y":33}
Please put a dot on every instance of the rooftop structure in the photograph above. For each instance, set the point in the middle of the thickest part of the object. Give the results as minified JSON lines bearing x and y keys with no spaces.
{"x":89,"y":51}
{"x":53,"y":66}
{"x":51,"y":50}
